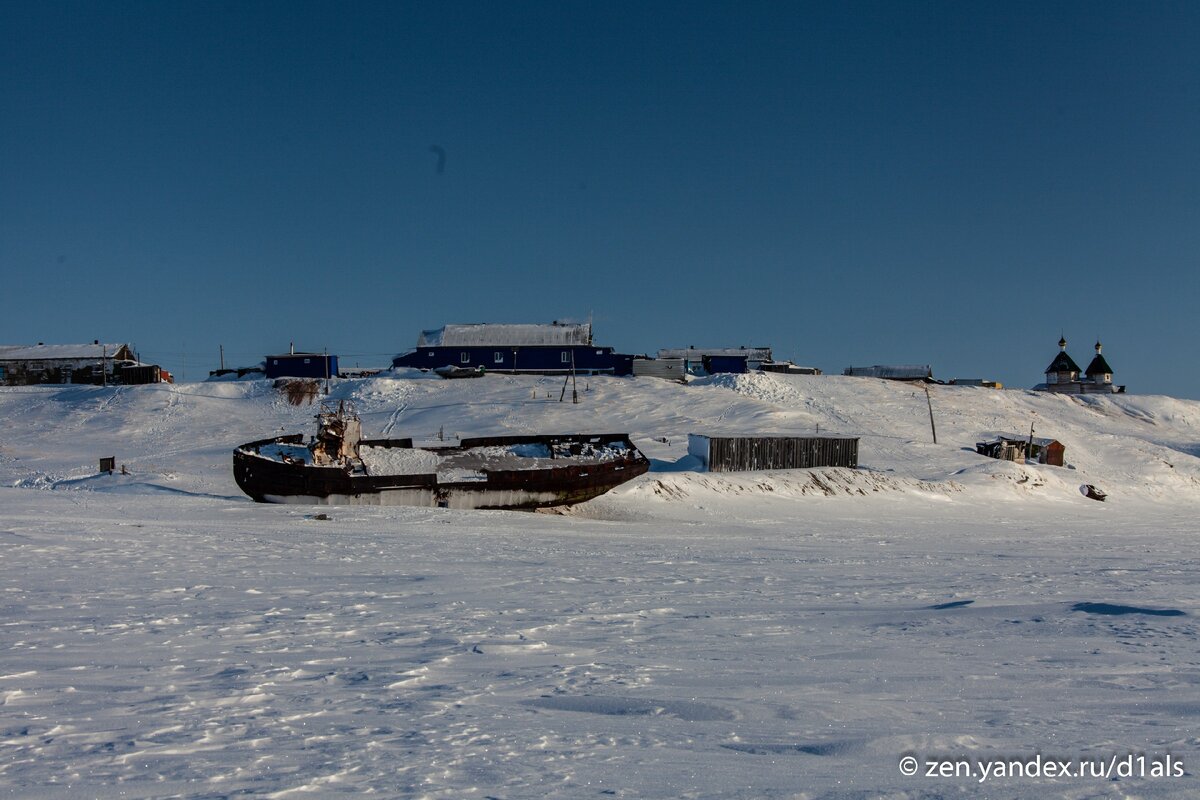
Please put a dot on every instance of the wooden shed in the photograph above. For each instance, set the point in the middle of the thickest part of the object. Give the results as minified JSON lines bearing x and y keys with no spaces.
{"x":1010,"y":447}
{"x":735,"y":453}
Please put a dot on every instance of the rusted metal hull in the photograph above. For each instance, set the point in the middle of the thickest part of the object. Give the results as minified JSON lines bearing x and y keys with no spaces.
{"x":270,"y":481}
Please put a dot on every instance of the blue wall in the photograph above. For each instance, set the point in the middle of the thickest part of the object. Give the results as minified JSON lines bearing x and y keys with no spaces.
{"x":719,"y":364}
{"x":301,"y":365}
{"x":536,"y":359}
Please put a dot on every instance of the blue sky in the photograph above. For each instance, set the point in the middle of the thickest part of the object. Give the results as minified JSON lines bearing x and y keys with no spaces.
{"x":949,"y":183}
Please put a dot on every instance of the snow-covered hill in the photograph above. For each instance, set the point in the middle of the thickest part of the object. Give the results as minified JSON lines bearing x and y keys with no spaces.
{"x":180,"y":437}
{"x":789,"y":634}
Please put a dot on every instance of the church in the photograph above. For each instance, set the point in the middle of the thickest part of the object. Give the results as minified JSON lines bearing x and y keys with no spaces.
{"x":1064,"y":376}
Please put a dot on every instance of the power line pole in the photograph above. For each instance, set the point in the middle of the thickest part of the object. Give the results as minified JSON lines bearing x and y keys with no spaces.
{"x":929,"y":402}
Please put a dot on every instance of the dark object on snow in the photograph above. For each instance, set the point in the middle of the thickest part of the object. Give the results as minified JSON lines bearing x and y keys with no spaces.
{"x":518,"y":472}
{"x":455,"y":371}
{"x":108,"y":464}
{"x":1111,"y":610}
{"x":951,"y":604}
{"x":1092,"y":492}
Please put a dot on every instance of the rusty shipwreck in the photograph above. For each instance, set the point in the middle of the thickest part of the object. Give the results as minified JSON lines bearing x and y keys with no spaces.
{"x":339,"y":467}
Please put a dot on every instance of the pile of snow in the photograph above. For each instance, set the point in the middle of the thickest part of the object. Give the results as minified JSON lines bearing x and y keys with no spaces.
{"x":398,"y":460}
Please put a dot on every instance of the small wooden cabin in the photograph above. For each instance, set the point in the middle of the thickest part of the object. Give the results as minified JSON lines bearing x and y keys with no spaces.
{"x":1010,"y":447}
{"x":755,"y":452}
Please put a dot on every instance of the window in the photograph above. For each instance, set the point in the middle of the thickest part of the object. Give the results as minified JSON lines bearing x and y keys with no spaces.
{"x":464,"y":357}
{"x":566,"y":357}
{"x":498,"y":357}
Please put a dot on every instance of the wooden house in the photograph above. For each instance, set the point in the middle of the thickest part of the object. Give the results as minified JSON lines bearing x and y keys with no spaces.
{"x":96,"y":363}
{"x":301,"y":365}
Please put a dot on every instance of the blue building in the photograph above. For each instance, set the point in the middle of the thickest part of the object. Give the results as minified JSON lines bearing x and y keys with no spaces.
{"x":716,"y":360}
{"x":301,"y":365}
{"x":552,"y":349}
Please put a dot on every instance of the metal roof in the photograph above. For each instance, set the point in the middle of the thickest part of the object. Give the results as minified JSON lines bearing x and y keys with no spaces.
{"x":1063,"y":363}
{"x":507,"y":335}
{"x":1099,"y":366}
{"x":751,"y":353}
{"x":1040,"y":441}
{"x":903,"y":372}
{"x":58,"y":352}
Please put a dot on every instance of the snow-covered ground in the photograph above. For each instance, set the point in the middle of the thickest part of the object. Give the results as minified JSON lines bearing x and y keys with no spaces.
{"x":783,"y":634}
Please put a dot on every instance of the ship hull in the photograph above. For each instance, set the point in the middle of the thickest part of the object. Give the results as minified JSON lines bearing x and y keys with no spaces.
{"x":269,"y":480}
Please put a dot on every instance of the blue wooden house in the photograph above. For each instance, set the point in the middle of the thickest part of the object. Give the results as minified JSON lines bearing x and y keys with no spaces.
{"x":552,"y":349}
{"x":301,"y":365}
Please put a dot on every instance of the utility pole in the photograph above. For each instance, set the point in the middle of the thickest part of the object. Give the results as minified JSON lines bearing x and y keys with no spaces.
{"x":929,"y":402}
{"x":574,"y":387}
{"x":570,"y":378}
{"x":222,"y":357}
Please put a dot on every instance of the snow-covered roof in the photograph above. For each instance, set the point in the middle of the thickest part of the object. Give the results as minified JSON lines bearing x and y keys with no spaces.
{"x":1039,"y":441}
{"x":58,"y":352}
{"x":751,"y":353}
{"x":518,"y":335}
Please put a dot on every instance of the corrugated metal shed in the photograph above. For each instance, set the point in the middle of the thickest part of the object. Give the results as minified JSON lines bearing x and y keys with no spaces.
{"x":505,"y":335}
{"x":901,"y":372}
{"x":765,"y":451}
{"x":788,"y":368}
{"x":754,"y":355}
{"x":672,"y":369}
{"x":131,"y":375}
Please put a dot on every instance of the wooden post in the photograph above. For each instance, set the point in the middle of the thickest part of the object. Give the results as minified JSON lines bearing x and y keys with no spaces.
{"x":574,"y":387}
{"x":929,"y":402}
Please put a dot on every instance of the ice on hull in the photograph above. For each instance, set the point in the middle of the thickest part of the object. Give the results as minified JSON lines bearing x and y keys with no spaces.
{"x":467,"y":499}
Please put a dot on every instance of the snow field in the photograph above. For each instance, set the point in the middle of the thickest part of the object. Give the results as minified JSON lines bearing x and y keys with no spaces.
{"x":776,"y":635}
